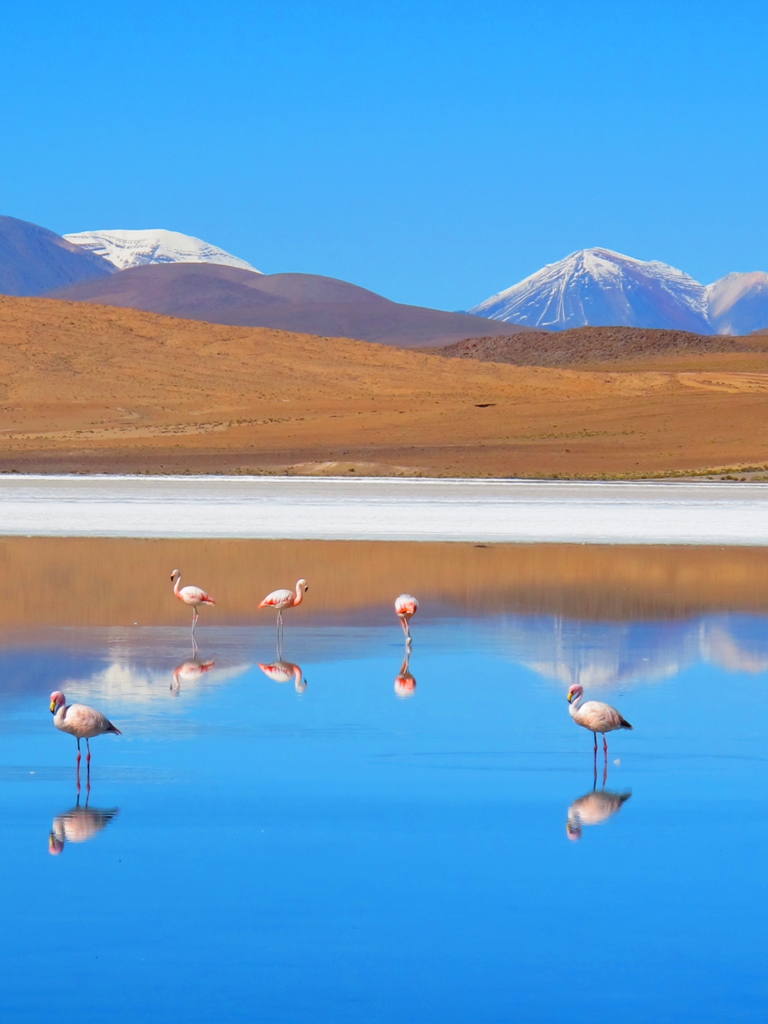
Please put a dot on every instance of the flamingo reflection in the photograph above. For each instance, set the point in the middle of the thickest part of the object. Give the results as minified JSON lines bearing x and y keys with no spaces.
{"x":593,"y":808}
{"x":190,"y":671}
{"x":282,"y":671}
{"x":405,"y":684}
{"x":78,"y":824}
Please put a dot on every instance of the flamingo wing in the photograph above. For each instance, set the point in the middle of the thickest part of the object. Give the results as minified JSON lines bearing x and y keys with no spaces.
{"x":194,"y":595}
{"x":278,"y":598}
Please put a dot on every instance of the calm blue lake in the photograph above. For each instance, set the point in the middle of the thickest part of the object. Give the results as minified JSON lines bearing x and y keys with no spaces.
{"x":360,"y":844}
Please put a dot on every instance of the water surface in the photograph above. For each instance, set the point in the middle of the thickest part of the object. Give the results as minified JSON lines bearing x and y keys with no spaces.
{"x":369,"y":840}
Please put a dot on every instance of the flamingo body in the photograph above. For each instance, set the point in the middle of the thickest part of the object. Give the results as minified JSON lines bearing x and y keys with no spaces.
{"x":406,"y":607}
{"x":79,"y":721}
{"x":194,"y":596}
{"x":281,"y":599}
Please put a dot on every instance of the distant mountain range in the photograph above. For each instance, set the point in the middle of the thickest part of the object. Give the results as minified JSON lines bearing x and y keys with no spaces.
{"x":125,"y":249}
{"x":598,"y":287}
{"x":167,"y":272}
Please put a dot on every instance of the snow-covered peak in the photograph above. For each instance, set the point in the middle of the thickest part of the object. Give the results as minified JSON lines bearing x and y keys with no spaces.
{"x":126,"y":249}
{"x":738,"y":303}
{"x":600,"y":287}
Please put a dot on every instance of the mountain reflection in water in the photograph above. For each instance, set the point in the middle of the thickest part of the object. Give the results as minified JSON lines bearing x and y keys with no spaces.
{"x":595,"y":654}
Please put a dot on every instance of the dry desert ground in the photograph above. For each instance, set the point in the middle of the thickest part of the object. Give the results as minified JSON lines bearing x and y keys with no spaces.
{"x":89,"y":388}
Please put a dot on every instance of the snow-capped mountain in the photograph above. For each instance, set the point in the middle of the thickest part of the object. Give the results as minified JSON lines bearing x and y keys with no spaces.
{"x":598,"y":287}
{"x":738,"y":303}
{"x":126,"y":249}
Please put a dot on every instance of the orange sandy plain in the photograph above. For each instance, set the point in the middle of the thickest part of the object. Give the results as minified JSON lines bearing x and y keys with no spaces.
{"x":100,"y":389}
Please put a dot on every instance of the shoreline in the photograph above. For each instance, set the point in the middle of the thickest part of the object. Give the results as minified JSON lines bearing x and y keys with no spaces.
{"x":385,"y":509}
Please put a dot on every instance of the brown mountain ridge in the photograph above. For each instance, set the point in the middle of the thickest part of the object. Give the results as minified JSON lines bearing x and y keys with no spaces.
{"x":302,"y":303}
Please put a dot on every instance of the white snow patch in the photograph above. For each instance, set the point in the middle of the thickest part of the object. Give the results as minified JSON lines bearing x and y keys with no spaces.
{"x":126,"y":249}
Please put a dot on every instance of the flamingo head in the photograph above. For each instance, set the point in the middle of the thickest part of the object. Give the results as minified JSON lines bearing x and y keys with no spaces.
{"x":175,"y":575}
{"x":573,"y":830}
{"x":57,"y":701}
{"x":303,"y":586}
{"x":575,"y":692}
{"x":55,"y":844}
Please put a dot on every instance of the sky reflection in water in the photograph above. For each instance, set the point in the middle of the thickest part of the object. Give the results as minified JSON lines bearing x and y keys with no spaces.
{"x":320,"y":836}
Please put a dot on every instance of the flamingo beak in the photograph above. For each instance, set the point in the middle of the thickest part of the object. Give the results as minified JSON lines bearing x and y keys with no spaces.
{"x":52,"y":706}
{"x":570,"y":696}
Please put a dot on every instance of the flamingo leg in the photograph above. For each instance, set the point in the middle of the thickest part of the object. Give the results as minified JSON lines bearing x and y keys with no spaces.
{"x":595,"y":735}
{"x":87,"y":782}
{"x":88,"y":756}
{"x":78,"y":753}
{"x":195,"y":616}
{"x":605,"y":745}
{"x":605,"y":772}
{"x":77,"y":781}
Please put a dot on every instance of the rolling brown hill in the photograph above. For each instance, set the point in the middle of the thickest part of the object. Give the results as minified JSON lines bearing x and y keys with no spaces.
{"x":305,"y":303}
{"x":592,"y":345}
{"x":93,"y":388}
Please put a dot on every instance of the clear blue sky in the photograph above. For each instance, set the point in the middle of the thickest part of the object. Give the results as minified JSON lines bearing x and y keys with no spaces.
{"x":435,"y":152}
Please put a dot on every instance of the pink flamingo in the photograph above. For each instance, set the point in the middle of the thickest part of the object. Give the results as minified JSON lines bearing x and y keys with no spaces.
{"x":406,"y":607}
{"x":190,"y":595}
{"x":281,"y":599}
{"x":79,"y":721}
{"x":281,"y":671}
{"x":594,"y":715}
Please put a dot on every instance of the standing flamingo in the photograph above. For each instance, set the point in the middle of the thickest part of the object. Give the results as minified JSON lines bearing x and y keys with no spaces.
{"x":190,"y":595}
{"x":79,"y":721}
{"x":285,"y":599}
{"x":406,"y":607}
{"x":594,"y":715}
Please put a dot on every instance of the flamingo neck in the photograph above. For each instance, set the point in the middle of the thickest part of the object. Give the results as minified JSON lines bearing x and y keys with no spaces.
{"x":299,"y":595}
{"x":573,"y":707}
{"x":177,"y":584}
